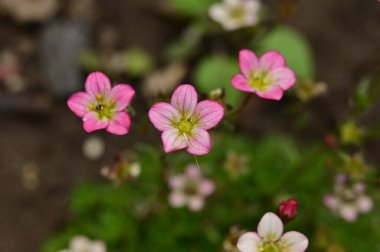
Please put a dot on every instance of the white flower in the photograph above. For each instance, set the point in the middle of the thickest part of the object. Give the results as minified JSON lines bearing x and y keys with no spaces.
{"x":93,"y":147}
{"x":234,"y":14}
{"x":83,"y":244}
{"x":270,"y":237}
{"x":348,"y":200}
{"x":190,"y":189}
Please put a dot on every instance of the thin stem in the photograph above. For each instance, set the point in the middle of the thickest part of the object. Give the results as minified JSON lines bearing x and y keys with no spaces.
{"x":242,"y":105}
{"x":196,"y":161}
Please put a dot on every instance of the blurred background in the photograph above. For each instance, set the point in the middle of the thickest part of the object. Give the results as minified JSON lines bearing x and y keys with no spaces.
{"x":47,"y":47}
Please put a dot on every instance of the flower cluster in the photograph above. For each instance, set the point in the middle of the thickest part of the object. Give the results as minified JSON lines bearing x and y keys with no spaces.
{"x":348,"y":200}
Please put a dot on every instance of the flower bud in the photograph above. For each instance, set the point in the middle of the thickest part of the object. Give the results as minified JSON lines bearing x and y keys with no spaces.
{"x":287,"y":210}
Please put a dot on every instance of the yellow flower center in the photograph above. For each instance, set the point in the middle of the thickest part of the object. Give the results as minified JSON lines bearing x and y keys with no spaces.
{"x":103,"y":107}
{"x":270,"y":247}
{"x":259,"y":80}
{"x":237,"y":13}
{"x":185,"y":126}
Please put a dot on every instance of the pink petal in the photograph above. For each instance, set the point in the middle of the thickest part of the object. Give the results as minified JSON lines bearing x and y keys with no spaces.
{"x":79,"y":243}
{"x":172,"y":140}
{"x":185,"y":99}
{"x":177,"y":199}
{"x":97,"y":83}
{"x":207,"y":187}
{"x":122,"y":94}
{"x":349,"y":212}
{"x":209,"y":113}
{"x":364,"y":204}
{"x":98,"y":246}
{"x":249,"y":242}
{"x":192,"y":171}
{"x":120,"y":124}
{"x":195,"y":203}
{"x":78,"y":103}
{"x":273,"y":93}
{"x":176,"y":182}
{"x":270,"y":227}
{"x":295,"y":241}
{"x":162,"y":114}
{"x":241,"y":83}
{"x":283,"y":77}
{"x":91,"y":122}
{"x":200,"y":143}
{"x":331,"y":201}
{"x":247,"y":61}
{"x":271,"y":60}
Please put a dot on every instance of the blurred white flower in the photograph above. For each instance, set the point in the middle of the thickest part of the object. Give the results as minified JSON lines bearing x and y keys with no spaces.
{"x":348,"y":200}
{"x":93,"y":147}
{"x":123,"y":168}
{"x":190,"y":189}
{"x":234,"y":14}
{"x":83,"y":244}
{"x":30,"y":10}
{"x":270,"y":237}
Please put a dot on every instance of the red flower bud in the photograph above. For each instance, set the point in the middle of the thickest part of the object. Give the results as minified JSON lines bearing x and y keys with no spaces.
{"x":287,"y":210}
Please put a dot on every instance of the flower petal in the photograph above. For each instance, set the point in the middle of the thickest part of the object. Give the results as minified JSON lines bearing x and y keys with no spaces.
{"x":172,"y":140}
{"x":207,"y":187}
{"x":209,"y":113}
{"x":270,"y":227}
{"x":162,"y":114}
{"x":294,"y":242}
{"x":283,"y":77}
{"x":97,"y":83}
{"x":200,"y":143}
{"x":348,"y":212}
{"x":271,"y":60}
{"x":192,"y":171}
{"x":241,"y":83}
{"x":217,"y":12}
{"x":273,"y":93}
{"x":78,"y":103}
{"x":177,"y":199}
{"x":364,"y":204}
{"x":249,"y":242}
{"x":185,"y":99}
{"x":196,"y":203}
{"x":247,"y":62}
{"x":91,"y":122}
{"x":98,"y":246}
{"x":177,"y":182}
{"x":120,"y":124}
{"x":122,"y":94}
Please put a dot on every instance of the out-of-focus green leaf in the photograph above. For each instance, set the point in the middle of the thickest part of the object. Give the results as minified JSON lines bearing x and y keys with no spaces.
{"x":293,"y":46}
{"x":216,"y":72}
{"x":192,"y":8}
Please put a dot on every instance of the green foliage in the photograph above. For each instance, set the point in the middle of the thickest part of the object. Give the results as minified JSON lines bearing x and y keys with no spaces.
{"x":193,"y":8}
{"x":137,"y":216}
{"x":216,"y":72}
{"x":293,"y":46}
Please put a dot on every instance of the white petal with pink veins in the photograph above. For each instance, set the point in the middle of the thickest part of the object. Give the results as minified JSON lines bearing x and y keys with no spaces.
{"x":270,"y":227}
{"x":249,"y":242}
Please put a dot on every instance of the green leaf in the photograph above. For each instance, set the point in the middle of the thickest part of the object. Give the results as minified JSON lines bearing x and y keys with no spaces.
{"x":216,"y":72}
{"x":293,"y":46}
{"x":192,"y":8}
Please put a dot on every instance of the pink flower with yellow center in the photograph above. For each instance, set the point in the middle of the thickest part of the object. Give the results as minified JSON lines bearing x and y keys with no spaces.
{"x":266,"y":76}
{"x":270,"y":237}
{"x":103,"y":106}
{"x":184,"y":122}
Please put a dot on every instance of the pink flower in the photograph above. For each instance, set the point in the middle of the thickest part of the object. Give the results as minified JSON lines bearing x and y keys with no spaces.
{"x":102,"y":106}
{"x":190,"y":189}
{"x":81,"y":243}
{"x":184,"y":122}
{"x":287,"y":210}
{"x":348,"y":200}
{"x":268,"y":76}
{"x":270,"y":237}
